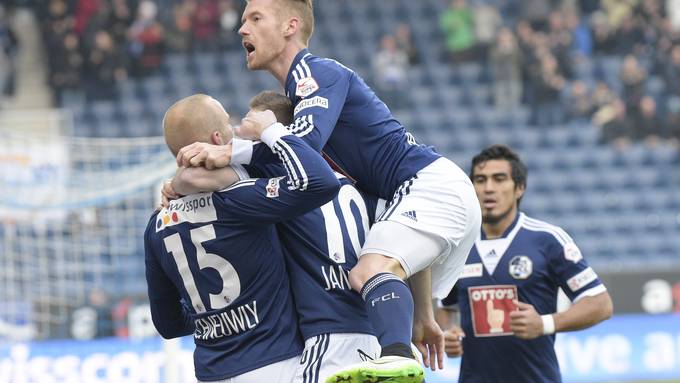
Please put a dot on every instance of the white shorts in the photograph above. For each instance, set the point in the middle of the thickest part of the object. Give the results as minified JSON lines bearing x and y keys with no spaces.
{"x":432,"y":220}
{"x":326,"y":354}
{"x":279,"y":372}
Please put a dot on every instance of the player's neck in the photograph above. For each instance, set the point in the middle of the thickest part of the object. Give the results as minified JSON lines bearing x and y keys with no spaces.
{"x":281,"y":66}
{"x":497,"y":229}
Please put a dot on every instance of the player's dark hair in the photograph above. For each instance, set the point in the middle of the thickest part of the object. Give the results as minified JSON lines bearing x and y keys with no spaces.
{"x":277,"y":103}
{"x":502,"y":152}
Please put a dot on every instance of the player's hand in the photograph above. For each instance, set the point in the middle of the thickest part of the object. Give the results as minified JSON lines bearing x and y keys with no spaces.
{"x":168,"y":194}
{"x":206,"y":155}
{"x":525,"y":322}
{"x":429,"y":339}
{"x":454,"y":341}
{"x":254,"y":123}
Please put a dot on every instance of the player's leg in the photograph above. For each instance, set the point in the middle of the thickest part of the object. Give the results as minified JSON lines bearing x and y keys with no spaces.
{"x":327,"y":353}
{"x":433,"y":222}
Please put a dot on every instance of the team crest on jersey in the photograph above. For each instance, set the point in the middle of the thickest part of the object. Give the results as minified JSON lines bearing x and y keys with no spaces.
{"x":306,"y":86}
{"x":273,"y":187}
{"x":520,"y":267}
{"x":572,"y":252}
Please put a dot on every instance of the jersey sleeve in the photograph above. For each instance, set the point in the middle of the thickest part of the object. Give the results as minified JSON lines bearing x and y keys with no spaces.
{"x":308,"y":182}
{"x":321,"y":90}
{"x":170,"y":317}
{"x":569,"y":269}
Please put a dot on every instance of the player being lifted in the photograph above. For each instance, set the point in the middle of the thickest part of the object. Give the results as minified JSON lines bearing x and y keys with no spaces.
{"x":219,"y":254}
{"x":432,"y":217}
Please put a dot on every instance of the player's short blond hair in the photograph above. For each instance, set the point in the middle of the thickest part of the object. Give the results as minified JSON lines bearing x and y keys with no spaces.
{"x":304,"y":9}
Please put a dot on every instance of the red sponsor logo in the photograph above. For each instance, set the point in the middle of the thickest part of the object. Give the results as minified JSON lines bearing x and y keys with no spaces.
{"x":490,"y":307}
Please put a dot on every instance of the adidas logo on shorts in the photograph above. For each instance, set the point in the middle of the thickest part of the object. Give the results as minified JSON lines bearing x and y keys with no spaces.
{"x":410,"y":214}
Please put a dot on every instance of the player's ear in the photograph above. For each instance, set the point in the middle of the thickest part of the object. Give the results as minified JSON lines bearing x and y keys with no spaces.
{"x":216,"y":138}
{"x":519,"y":191}
{"x":291,"y":26}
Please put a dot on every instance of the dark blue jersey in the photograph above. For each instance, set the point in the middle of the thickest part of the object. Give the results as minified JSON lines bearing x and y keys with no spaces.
{"x":220,"y":254}
{"x":530,"y":262}
{"x":321,"y":247}
{"x":336,"y":111}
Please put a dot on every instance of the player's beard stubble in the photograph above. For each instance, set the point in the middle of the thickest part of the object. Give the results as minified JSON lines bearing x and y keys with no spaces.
{"x":489,"y":218}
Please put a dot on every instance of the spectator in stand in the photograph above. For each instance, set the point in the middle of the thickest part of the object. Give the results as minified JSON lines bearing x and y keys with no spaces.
{"x":230,"y":20}
{"x":633,"y":80}
{"x":672,"y":72}
{"x":630,"y":37}
{"x":178,"y":36}
{"x":457,"y":23}
{"x":105,"y":68}
{"x":146,"y":37}
{"x":391,"y":66}
{"x":603,"y":96}
{"x":604,"y":42}
{"x":121,"y":19}
{"x":616,"y":129}
{"x":561,"y":42}
{"x":506,"y":64}
{"x":487,"y":22}
{"x":647,"y":126}
{"x":581,"y":36}
{"x":536,"y":12}
{"x":204,"y":26}
{"x":405,"y":43}
{"x":579,"y":103}
{"x":66,"y":67}
{"x":549,"y":86}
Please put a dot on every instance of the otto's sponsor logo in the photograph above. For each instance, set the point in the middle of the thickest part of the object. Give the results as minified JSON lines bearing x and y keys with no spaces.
{"x":319,"y":101}
{"x":520,"y":267}
{"x":490,"y":308}
{"x":195,"y":209}
{"x":306,"y":87}
{"x":581,"y":279}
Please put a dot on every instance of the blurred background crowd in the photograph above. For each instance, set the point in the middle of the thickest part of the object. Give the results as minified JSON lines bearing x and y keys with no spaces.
{"x":534,"y":52}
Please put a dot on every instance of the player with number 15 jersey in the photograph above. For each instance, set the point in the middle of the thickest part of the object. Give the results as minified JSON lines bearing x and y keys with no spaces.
{"x":219,"y":253}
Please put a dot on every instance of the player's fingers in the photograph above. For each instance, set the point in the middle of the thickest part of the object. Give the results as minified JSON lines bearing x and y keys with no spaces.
{"x":523,"y":306}
{"x":440,"y":353}
{"x":199,"y":158}
{"x":423,"y":351}
{"x":183,"y":154}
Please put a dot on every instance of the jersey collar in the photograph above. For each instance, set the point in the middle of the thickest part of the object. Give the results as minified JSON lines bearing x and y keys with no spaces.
{"x":508,"y":230}
{"x":290,"y":79}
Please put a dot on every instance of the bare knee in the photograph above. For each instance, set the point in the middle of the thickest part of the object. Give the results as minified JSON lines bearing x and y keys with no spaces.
{"x":371,"y":265}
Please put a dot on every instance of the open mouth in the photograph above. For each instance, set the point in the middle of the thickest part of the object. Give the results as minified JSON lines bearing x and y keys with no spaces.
{"x":250,"y":48}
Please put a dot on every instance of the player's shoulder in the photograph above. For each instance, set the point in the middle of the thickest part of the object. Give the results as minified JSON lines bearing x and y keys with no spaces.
{"x":544,"y":231}
{"x":319,"y":68}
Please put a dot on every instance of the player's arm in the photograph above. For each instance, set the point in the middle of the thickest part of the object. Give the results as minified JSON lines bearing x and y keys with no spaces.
{"x":591,"y":302}
{"x":316,"y":113}
{"x":198,"y":179}
{"x":170,"y":317}
{"x":448,"y":317}
{"x":309,"y":183}
{"x":427,"y":335}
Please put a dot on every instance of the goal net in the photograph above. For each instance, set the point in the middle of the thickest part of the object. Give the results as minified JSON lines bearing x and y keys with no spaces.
{"x":72,"y":217}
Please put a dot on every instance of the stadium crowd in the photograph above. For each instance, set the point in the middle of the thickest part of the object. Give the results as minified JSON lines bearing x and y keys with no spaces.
{"x":8,"y":52}
{"x":536,"y":53}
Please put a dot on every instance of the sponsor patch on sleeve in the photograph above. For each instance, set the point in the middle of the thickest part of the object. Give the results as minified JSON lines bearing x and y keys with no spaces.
{"x":319,"y":101}
{"x":273,"y":187}
{"x":572,"y":252}
{"x":582,"y":279}
{"x":306,"y":86}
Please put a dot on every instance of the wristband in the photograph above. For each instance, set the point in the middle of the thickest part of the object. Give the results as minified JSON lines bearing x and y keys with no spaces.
{"x":548,"y":324}
{"x":272,"y":133}
{"x":241,"y":151}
